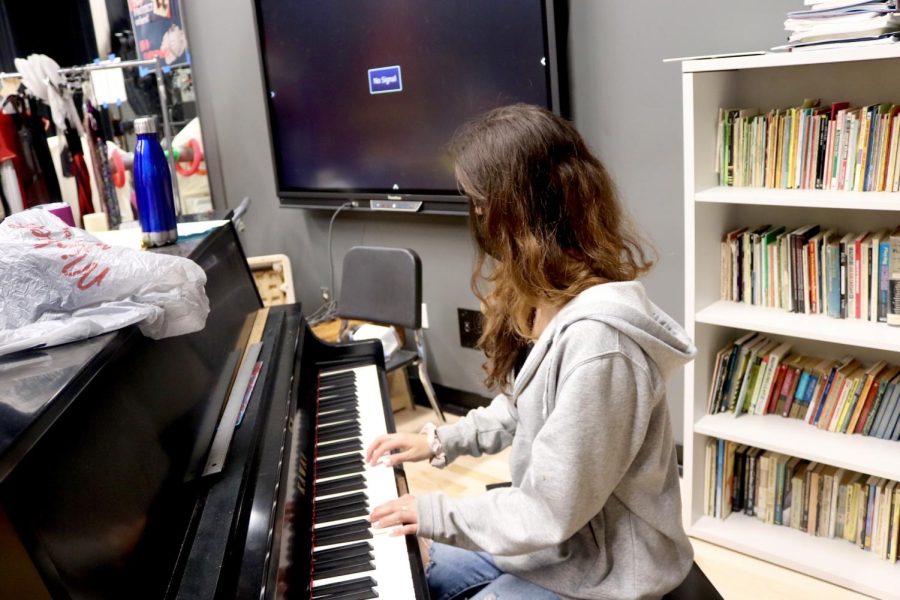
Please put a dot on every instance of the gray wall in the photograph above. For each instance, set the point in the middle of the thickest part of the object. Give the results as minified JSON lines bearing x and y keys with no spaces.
{"x":626,"y":102}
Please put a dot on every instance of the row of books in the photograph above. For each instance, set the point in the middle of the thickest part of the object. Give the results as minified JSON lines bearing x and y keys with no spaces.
{"x":836,"y":147}
{"x":814,"y":270}
{"x":758,"y":376}
{"x":821,"y":500}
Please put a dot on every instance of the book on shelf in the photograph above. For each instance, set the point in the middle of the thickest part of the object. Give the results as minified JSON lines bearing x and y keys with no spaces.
{"x":760,"y":376}
{"x":813,"y":270}
{"x":810,"y":146}
{"x":893,"y":312}
{"x":818,"y":499}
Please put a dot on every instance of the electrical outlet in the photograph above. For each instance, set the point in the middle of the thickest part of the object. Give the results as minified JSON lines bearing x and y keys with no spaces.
{"x":469,"y":327}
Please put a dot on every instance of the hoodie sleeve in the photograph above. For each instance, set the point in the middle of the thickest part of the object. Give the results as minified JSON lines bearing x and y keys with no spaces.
{"x":485,"y":430}
{"x":587,"y":444}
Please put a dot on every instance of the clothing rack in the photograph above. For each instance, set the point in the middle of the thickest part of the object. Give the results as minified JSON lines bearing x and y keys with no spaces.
{"x":157,"y":65}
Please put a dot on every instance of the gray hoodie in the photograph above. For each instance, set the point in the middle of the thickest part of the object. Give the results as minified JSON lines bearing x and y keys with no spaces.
{"x":594,"y":509}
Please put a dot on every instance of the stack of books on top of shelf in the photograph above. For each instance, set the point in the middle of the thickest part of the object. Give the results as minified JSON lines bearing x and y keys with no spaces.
{"x":814,"y":270}
{"x":833,"y":23}
{"x":838,"y":147}
{"x":818,"y":499}
{"x":758,"y":376}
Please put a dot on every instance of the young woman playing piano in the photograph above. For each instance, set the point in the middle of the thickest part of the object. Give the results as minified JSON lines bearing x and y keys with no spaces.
{"x":594,"y":508}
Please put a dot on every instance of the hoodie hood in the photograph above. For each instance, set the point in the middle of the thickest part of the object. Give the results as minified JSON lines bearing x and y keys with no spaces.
{"x":625,"y":307}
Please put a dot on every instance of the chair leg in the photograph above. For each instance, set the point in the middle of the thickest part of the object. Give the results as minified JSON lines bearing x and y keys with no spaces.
{"x":429,"y":391}
{"x":423,"y":375}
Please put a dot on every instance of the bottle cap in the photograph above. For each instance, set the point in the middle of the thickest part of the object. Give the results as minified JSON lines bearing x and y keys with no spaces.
{"x":144,"y":125}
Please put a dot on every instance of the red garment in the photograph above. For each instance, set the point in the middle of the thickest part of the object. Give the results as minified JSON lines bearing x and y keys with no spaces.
{"x":10,"y":150}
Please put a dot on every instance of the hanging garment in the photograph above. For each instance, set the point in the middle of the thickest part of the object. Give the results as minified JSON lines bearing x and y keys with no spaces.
{"x":39,"y":175}
{"x":4,"y":206}
{"x":11,"y":151}
{"x":9,"y":181}
{"x":100,"y":162}
{"x":79,"y":170}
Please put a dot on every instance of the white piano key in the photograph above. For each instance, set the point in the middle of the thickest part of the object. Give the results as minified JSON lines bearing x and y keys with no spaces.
{"x":392,"y":571}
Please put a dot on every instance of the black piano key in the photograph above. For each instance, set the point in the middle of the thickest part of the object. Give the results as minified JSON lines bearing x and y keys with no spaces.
{"x":333,"y":377}
{"x":339,"y":425}
{"x":335,"y":395}
{"x":326,"y":450}
{"x":339,"y":415}
{"x":333,"y":382}
{"x":336,"y":402}
{"x":351,"y":404}
{"x":331,"y":390}
{"x":342,"y":538}
{"x":348,"y":569}
{"x":360,"y":549}
{"x":363,"y":595}
{"x":352,"y":526}
{"x":344,"y":427}
{"x":339,"y":434}
{"x":333,"y":512}
{"x":357,"y":558}
{"x":340,"y":512}
{"x":351,"y":585}
{"x":344,"y":484}
{"x":348,"y":459}
{"x":338,"y":470}
{"x":349,"y":500}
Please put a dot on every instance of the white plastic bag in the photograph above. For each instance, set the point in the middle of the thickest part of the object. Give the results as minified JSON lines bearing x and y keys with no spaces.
{"x":59,"y":284}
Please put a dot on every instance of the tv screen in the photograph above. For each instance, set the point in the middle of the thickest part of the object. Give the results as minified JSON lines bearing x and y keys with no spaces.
{"x":364,"y":95}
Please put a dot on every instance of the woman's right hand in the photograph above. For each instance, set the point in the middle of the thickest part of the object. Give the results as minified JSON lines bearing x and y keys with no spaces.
{"x":411,"y":447}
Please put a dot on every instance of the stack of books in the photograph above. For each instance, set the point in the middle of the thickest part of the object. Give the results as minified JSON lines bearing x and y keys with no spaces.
{"x":758,"y":376}
{"x":819,"y":499}
{"x":830,"y":23}
{"x":814,"y":270}
{"x":838,"y":147}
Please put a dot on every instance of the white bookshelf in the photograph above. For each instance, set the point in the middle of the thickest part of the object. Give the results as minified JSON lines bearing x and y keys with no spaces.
{"x":851,"y":332}
{"x":801,"y":198}
{"x":795,"y":437}
{"x":860,"y":76}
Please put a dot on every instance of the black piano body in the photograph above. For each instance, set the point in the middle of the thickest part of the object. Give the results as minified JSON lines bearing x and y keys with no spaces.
{"x":103,"y":443}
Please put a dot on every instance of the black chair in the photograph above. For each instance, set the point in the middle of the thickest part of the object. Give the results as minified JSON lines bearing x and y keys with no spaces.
{"x":694,"y":587}
{"x":384,"y":286}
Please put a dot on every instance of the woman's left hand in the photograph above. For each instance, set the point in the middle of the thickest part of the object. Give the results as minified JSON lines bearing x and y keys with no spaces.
{"x":401,"y":511}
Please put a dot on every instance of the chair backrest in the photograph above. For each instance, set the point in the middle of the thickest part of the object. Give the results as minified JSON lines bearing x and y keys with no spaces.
{"x":382,"y":285}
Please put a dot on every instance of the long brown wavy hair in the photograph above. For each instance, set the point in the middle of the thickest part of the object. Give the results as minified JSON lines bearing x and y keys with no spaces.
{"x":546,"y":213}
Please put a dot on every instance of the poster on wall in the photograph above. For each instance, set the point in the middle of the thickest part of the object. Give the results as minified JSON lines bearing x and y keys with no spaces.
{"x":158,"y":31}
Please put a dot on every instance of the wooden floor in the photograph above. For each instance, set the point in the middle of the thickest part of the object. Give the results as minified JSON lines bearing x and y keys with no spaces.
{"x":736,"y":576}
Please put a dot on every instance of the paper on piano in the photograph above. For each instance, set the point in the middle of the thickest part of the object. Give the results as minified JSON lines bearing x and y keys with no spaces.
{"x":59,"y":284}
{"x":389,"y":340}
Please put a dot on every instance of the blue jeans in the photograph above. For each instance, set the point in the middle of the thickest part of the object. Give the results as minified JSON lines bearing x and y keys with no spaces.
{"x":456,"y":573}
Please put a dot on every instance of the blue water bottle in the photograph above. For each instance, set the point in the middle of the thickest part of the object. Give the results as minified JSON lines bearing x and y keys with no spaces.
{"x":153,"y":186}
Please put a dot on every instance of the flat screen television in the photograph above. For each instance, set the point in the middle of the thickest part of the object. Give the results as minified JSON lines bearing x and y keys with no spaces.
{"x":364,"y":95}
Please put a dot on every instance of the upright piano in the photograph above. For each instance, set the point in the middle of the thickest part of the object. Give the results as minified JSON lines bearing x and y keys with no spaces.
{"x":118,"y":478}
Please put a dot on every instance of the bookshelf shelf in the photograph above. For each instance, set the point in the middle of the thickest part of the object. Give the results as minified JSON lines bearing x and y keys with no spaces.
{"x":836,"y":560}
{"x":851,"y":332}
{"x":861,"y":77}
{"x":884,"y":201}
{"x":795,"y":437}
{"x":790,"y":59}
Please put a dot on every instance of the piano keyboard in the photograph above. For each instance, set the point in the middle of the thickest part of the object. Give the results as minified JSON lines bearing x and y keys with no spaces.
{"x":350,"y":560}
